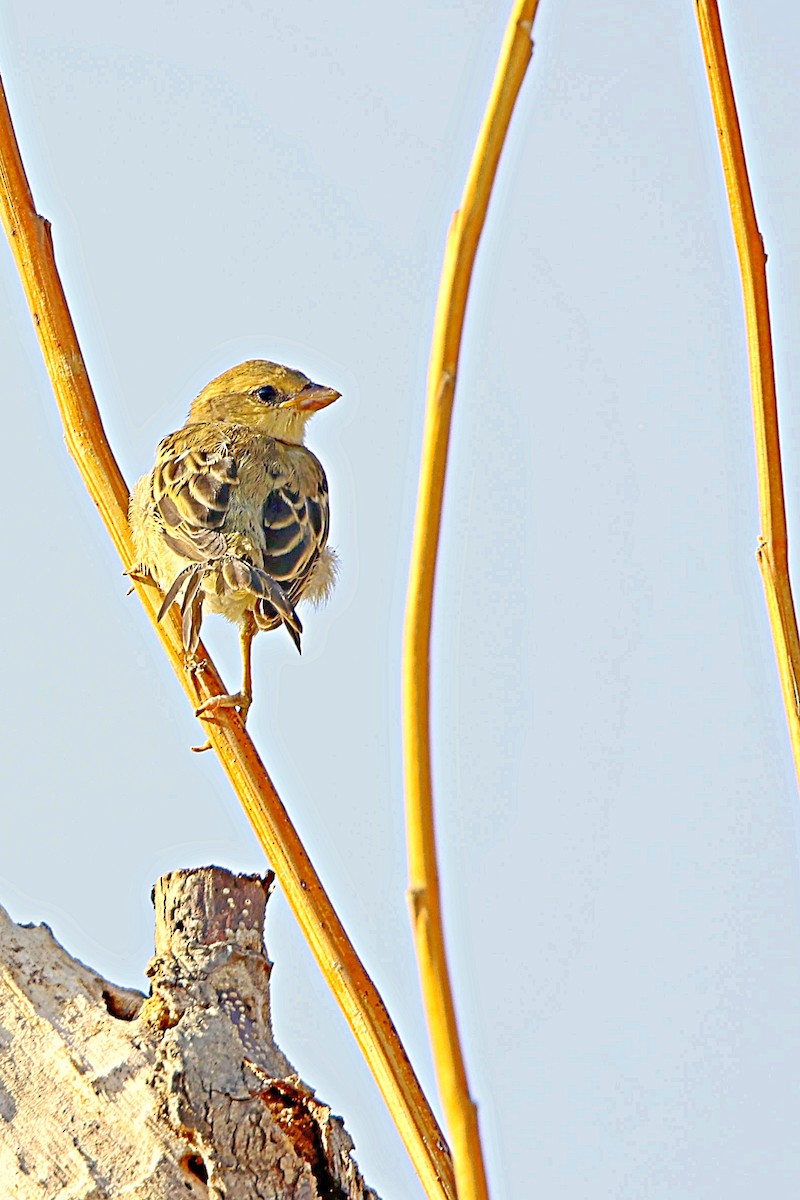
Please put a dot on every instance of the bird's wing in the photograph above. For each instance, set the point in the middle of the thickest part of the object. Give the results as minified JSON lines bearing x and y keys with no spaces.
{"x":296,"y":519}
{"x":192,"y":486}
{"x":193,"y":482}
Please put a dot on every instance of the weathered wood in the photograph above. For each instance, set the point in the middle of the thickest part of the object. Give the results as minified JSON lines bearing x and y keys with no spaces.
{"x":105,"y":1093}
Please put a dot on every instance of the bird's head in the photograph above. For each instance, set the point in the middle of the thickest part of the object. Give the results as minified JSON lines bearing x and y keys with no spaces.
{"x":264,"y":395}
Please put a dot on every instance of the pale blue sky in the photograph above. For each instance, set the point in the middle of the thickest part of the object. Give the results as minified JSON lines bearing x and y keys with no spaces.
{"x":617,"y":807}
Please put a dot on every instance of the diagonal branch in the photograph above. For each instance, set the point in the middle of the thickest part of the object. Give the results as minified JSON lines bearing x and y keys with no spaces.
{"x":773,"y":544}
{"x":462,"y":244}
{"x":31,"y":244}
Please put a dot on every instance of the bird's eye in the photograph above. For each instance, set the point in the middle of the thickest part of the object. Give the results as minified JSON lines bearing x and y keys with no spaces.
{"x":267,"y":394}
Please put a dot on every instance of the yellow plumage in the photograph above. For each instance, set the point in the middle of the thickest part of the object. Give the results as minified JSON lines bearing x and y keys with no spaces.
{"x":234,"y":518}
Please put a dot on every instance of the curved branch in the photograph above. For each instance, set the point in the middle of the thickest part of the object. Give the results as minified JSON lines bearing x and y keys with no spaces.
{"x":31,"y":244}
{"x":773,"y":545}
{"x":462,"y":243}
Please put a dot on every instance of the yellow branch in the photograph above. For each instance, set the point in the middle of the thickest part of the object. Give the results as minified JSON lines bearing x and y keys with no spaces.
{"x":29,"y":237}
{"x":461,"y":1116}
{"x":773,"y":544}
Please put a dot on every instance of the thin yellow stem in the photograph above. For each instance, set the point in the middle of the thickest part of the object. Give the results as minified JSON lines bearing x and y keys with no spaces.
{"x":462,"y":243}
{"x":29,"y":237}
{"x":773,"y":544}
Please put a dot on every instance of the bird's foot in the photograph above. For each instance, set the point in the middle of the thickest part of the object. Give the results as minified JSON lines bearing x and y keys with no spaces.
{"x":139,"y":573}
{"x":238,"y":700}
{"x":209,"y":707}
{"x":193,"y":664}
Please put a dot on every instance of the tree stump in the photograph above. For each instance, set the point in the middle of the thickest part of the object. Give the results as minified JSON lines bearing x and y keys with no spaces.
{"x":106,"y":1093}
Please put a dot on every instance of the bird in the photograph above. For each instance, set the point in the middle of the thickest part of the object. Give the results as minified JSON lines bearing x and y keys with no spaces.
{"x":234,"y":516}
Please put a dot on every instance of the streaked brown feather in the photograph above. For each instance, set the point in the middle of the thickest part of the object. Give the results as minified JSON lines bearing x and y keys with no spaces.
{"x":174,"y":588}
{"x":199,"y":471}
{"x":192,"y":612}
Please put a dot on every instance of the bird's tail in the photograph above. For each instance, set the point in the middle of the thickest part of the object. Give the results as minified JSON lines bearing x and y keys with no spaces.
{"x":271,"y":605}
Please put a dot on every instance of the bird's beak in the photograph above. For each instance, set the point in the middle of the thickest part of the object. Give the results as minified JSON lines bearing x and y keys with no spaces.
{"x":311,"y":398}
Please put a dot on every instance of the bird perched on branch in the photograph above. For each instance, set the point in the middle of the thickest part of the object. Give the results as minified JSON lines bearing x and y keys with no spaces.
{"x":233,"y":518}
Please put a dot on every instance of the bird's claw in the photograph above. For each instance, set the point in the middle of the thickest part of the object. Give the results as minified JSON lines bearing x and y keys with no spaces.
{"x":193,"y":664}
{"x":207,"y":710}
{"x":139,"y":573}
{"x":238,"y":700}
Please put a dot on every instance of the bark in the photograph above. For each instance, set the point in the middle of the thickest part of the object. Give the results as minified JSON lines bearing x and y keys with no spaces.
{"x":106,"y":1093}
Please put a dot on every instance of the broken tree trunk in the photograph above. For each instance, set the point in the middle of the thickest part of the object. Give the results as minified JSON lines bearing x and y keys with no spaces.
{"x":106,"y":1093}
